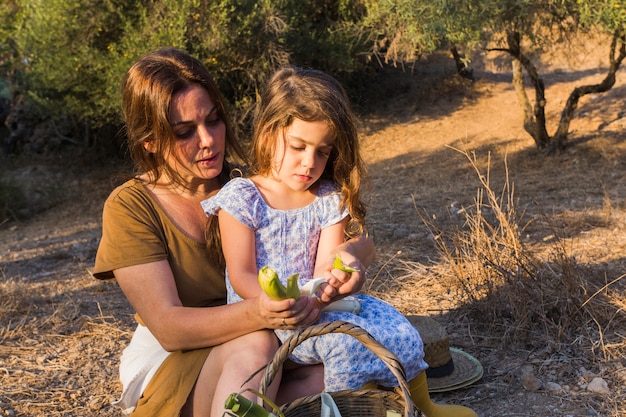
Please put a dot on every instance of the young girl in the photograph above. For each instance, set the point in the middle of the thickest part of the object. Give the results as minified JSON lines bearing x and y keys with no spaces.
{"x":302,"y":200}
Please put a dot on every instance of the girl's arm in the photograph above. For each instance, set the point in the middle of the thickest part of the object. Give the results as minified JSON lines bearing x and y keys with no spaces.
{"x":238,"y":245}
{"x":330,"y":238}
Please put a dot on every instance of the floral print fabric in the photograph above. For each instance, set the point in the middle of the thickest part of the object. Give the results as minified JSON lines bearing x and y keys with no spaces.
{"x":286,"y":240}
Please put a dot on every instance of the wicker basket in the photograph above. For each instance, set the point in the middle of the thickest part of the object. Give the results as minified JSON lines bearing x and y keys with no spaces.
{"x":351,"y":403}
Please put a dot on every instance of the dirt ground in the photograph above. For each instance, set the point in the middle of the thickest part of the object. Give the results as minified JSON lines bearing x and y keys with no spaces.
{"x":62,"y":331}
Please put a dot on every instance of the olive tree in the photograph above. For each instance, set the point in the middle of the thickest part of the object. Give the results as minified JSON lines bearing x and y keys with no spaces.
{"x":609,"y":17}
{"x":402,"y":30}
{"x":521,"y":27}
{"x":540,"y":21}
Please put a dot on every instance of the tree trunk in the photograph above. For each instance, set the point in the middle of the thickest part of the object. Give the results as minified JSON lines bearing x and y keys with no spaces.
{"x":522,"y":99}
{"x":534,"y":117}
{"x":462,"y":68}
{"x":538,"y":128}
{"x":560,"y":136}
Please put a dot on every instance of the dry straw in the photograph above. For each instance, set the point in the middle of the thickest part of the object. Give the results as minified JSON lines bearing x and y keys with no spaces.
{"x":486,"y":264}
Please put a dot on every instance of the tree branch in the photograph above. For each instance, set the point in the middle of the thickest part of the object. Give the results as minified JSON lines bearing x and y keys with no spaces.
{"x":616,"y":56}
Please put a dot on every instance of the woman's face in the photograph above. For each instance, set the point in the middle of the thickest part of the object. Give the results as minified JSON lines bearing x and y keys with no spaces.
{"x":200,"y":135}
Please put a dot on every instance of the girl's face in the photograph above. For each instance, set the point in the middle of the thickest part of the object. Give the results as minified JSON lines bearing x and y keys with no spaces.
{"x":200,"y":135}
{"x":302,"y":153}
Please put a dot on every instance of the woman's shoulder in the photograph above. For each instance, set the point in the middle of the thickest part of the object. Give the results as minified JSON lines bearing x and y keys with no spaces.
{"x":131,"y":200}
{"x":132,"y":190}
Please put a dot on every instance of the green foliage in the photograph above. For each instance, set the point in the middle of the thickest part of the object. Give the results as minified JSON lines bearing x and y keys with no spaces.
{"x":62,"y":67}
{"x":68,"y":57}
{"x":241,"y":42}
{"x":324,"y":34}
{"x":463,"y":22}
{"x":609,"y":15}
{"x":402,"y":30}
{"x":4,"y":89}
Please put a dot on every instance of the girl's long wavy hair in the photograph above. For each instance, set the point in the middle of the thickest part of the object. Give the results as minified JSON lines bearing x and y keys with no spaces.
{"x":147,"y":92}
{"x":312,"y":96}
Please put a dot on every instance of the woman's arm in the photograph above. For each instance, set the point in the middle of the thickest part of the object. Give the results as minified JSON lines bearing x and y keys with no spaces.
{"x":151,"y":290}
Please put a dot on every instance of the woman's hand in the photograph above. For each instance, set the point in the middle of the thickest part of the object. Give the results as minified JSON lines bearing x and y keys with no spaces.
{"x":289,"y":313}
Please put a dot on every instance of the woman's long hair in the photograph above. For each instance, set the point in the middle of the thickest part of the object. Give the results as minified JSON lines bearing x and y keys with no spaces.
{"x":147,"y":92}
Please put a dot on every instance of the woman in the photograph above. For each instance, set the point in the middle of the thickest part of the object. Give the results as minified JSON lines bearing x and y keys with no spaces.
{"x":190,"y":350}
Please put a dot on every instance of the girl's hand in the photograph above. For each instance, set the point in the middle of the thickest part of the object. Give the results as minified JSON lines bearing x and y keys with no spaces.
{"x":340,"y":283}
{"x":358,"y":253}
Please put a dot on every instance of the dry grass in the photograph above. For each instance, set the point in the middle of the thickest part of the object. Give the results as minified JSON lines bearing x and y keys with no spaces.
{"x":544,"y":254}
{"x":54,"y":346}
{"x":515,"y":291}
{"x":61,"y":331}
{"x":520,"y":256}
{"x":559,"y":310}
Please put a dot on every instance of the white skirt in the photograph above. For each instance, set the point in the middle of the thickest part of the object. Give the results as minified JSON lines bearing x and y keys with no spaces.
{"x":138,"y":364}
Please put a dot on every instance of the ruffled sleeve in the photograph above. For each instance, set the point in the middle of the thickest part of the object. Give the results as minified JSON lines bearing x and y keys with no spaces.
{"x":239,"y":198}
{"x":329,"y":205}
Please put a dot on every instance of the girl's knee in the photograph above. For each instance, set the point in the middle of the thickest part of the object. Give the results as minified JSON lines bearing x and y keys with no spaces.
{"x":253,"y":349}
{"x":258,"y":347}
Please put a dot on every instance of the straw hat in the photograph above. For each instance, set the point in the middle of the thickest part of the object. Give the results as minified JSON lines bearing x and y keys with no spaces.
{"x":449,"y":368}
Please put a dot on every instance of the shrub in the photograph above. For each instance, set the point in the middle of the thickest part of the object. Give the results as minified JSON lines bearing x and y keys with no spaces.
{"x":518,"y":293}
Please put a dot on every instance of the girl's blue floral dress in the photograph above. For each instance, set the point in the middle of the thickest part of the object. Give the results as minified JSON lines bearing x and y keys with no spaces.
{"x":286,"y":240}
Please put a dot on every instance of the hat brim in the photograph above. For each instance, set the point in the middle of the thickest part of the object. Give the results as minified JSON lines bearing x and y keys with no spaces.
{"x":467,"y":370}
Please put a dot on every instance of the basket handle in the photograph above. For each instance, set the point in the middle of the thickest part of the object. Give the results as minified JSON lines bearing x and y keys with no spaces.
{"x":339,"y":326}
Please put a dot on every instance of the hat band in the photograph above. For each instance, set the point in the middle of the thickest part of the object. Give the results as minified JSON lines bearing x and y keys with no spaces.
{"x":441,"y":371}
